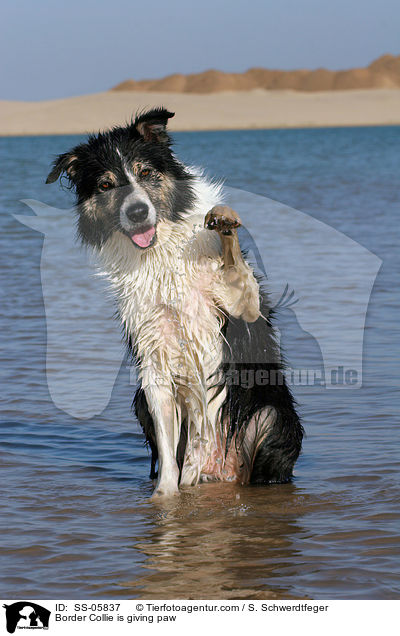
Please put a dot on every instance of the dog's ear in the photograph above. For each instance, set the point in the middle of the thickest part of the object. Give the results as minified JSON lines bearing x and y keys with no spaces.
{"x":68,"y":163}
{"x":152,"y":126}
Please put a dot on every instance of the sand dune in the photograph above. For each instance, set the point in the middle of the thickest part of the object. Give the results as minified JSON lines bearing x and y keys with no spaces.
{"x":382,"y":73}
{"x":216,"y":111}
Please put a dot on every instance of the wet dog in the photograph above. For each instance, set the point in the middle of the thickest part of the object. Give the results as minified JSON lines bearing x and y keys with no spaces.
{"x":194,"y":315}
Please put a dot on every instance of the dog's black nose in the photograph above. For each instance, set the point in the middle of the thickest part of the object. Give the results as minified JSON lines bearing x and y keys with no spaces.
{"x":137,"y":212}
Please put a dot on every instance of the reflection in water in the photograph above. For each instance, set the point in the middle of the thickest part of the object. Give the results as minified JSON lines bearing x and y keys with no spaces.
{"x":220,"y":541}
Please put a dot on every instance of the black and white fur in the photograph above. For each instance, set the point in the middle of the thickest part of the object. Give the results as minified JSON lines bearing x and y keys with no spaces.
{"x":193,"y":313}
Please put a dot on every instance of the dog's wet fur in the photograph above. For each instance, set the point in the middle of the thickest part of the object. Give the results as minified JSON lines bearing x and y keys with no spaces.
{"x":195,"y":317}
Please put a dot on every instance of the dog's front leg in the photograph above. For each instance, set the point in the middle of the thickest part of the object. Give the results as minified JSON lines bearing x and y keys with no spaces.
{"x":242,"y":298}
{"x":163,"y":410}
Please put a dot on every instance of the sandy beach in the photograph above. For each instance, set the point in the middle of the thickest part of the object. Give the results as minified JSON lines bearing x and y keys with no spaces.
{"x":258,"y":108}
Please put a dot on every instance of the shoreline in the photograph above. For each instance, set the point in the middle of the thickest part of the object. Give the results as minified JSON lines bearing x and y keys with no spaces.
{"x":211,"y":130}
{"x":242,"y":110}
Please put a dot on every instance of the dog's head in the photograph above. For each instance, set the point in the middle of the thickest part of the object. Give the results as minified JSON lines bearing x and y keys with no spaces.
{"x":127,"y":180}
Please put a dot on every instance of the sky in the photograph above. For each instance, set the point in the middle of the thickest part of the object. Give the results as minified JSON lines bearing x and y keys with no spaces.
{"x":51,"y":49}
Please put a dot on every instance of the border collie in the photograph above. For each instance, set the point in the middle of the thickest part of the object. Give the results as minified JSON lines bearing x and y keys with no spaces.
{"x":195,"y":318}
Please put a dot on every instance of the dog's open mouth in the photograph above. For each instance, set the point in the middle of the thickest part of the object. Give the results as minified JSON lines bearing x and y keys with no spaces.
{"x":144,"y":237}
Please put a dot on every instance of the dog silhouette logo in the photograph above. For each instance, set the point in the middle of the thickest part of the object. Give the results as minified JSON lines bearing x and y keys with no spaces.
{"x":324,"y":325}
{"x":26,"y":615}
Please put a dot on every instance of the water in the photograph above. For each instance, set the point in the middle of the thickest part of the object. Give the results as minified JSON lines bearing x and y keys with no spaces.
{"x":76,"y":520}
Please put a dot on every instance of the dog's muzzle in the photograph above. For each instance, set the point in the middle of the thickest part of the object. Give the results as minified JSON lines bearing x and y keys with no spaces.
{"x":138,"y":220}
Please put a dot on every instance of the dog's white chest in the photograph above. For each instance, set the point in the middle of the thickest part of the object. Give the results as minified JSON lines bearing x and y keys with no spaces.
{"x":174,"y":320}
{"x":168,"y":302}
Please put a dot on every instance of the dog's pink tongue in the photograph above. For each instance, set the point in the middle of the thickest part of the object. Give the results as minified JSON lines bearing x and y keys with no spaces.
{"x":143,"y":239}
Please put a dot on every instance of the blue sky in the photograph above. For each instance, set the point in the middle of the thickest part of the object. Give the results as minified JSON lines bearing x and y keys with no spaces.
{"x":52,"y":49}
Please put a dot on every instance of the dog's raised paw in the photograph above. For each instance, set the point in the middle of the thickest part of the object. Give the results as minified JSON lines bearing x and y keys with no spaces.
{"x":222,"y":219}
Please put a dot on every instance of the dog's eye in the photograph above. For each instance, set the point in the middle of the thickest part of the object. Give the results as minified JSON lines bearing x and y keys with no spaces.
{"x":145,"y":172}
{"x":105,"y":185}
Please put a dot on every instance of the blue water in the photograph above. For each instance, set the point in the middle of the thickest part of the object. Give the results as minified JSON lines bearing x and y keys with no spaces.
{"x":76,"y":521}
